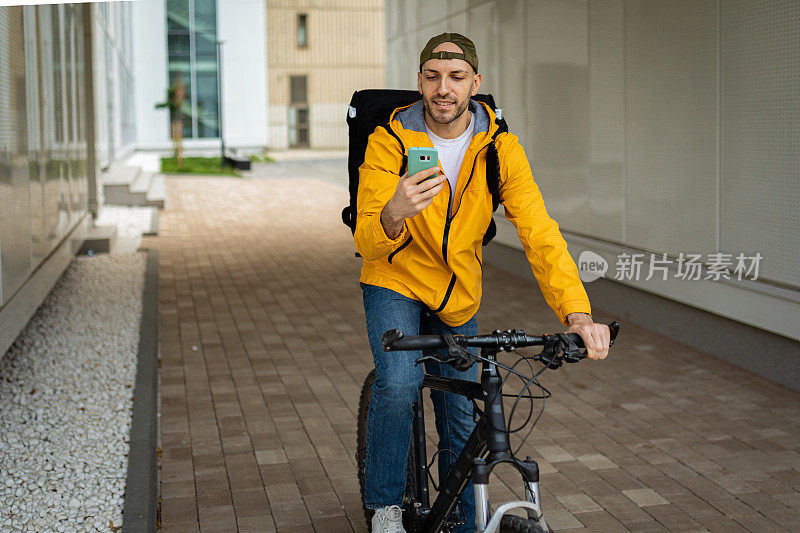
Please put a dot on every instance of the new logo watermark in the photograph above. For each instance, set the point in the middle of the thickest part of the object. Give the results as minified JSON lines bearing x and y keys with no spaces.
{"x":687,"y":266}
{"x":591,"y":266}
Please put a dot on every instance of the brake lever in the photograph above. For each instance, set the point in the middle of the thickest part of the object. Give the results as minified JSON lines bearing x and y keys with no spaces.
{"x":572,"y":354}
{"x":457,"y":356}
{"x":424,"y":358}
{"x":461,"y":358}
{"x":549,"y":354}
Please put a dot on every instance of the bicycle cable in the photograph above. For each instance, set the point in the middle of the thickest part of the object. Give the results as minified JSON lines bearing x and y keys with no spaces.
{"x":534,"y":379}
{"x":433,"y":458}
{"x":527,"y":383}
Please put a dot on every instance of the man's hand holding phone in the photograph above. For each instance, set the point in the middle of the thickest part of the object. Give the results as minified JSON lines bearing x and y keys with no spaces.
{"x":413,"y":194}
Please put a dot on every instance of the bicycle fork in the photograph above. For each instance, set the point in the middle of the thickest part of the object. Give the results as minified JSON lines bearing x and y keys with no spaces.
{"x":480,"y":476}
{"x":500,"y":452}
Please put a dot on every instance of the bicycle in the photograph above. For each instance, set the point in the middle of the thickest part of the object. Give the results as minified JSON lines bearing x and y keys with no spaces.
{"x":489,"y":444}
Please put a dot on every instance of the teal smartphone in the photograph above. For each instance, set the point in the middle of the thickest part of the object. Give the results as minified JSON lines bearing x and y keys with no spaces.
{"x":421,"y":158}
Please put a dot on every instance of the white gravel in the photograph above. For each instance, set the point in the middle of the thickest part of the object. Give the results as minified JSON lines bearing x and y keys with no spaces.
{"x":66,"y":388}
{"x":131,"y":221}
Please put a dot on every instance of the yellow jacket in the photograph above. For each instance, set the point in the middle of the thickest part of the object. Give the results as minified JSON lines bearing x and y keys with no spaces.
{"x":436,"y":259}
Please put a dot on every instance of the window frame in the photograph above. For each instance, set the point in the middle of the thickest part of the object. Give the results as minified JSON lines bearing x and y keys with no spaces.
{"x":301,"y":34}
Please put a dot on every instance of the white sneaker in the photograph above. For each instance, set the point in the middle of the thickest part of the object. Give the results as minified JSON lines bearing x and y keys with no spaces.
{"x":388,"y":520}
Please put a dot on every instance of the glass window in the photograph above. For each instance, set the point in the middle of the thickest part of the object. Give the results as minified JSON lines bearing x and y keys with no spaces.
{"x":58,"y":106}
{"x":191,"y":41}
{"x":178,"y":15}
{"x":302,"y":29}
{"x":297,"y":90}
{"x":178,"y":43}
{"x":207,"y":114}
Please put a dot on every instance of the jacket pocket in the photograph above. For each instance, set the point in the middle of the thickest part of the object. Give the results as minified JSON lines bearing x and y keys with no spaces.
{"x":400,"y":248}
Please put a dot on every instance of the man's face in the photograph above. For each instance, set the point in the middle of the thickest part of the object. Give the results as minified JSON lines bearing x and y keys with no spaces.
{"x":447,"y":85}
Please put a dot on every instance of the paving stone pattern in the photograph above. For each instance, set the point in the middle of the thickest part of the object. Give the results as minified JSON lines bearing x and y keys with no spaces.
{"x":263,"y":351}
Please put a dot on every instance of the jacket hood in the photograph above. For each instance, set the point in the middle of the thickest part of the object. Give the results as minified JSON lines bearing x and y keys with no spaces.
{"x":413,"y":117}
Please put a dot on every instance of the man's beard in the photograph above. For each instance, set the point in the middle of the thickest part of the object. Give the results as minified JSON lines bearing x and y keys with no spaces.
{"x":430,"y":108}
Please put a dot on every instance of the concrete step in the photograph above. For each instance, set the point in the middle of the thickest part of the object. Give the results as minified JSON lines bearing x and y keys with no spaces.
{"x":142,"y":182}
{"x":130,"y":185}
{"x":153,"y":230}
{"x":119,"y":174}
{"x":116,"y":183}
{"x":137,"y":191}
{"x":157,"y":192}
{"x":99,"y":239}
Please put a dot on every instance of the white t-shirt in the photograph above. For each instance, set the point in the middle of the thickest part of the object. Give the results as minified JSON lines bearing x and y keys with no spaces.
{"x":451,"y":152}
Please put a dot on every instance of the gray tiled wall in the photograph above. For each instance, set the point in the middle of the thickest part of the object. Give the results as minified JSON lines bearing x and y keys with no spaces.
{"x":663,"y":126}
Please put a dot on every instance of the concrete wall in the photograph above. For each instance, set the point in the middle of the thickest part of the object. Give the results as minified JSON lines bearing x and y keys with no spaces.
{"x":115,"y":105}
{"x":242,"y":26}
{"x":43,"y":154}
{"x":150,"y":73}
{"x":651,"y":127}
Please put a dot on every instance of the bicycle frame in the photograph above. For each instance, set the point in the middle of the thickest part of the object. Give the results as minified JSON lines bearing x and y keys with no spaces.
{"x":489,"y":435}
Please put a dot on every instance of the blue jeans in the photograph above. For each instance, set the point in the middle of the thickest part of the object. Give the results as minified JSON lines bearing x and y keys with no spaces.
{"x":395,"y":390}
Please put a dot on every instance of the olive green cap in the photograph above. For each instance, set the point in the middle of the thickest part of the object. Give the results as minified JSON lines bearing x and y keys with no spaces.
{"x":470,"y":55}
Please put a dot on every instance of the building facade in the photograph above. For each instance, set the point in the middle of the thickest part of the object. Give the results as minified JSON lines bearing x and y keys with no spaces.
{"x":114,"y":106}
{"x":43,"y":189}
{"x":176,"y":41}
{"x":66,"y":111}
{"x":651,"y":127}
{"x":319,"y":54}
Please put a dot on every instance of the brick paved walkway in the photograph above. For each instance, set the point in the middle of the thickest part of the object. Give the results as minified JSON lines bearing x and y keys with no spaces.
{"x":263,"y":350}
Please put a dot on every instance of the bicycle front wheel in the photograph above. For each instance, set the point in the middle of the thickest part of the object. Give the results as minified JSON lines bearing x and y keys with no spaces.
{"x":516,"y":524}
{"x":361,"y":449}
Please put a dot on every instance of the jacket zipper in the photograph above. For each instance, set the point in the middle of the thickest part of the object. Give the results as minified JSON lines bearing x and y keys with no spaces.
{"x":447,"y":294}
{"x":447,"y":233}
{"x":450,"y":217}
{"x":399,"y":248}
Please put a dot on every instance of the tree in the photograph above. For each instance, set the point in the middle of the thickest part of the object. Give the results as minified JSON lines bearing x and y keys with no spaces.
{"x":174,"y":101}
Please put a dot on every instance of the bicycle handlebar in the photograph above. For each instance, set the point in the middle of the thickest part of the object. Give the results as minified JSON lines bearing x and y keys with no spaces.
{"x":395,"y":340}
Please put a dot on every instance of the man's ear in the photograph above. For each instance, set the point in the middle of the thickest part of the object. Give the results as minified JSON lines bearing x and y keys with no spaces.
{"x":476,"y":85}
{"x":419,"y":82}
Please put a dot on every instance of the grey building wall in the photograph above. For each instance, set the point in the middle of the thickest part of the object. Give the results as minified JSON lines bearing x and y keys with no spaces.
{"x":653,"y":127}
{"x":49,"y":55}
{"x":115,"y":102}
{"x":43,"y":185}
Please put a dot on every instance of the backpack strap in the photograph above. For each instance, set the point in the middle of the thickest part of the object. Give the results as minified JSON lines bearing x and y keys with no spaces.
{"x":493,"y":172}
{"x":404,"y":164}
{"x":493,"y":181}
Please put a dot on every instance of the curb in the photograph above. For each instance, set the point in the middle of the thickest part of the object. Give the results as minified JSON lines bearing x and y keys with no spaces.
{"x":141,"y":492}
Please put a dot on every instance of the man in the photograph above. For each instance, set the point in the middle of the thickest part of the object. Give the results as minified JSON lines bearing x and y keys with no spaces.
{"x":421,"y":237}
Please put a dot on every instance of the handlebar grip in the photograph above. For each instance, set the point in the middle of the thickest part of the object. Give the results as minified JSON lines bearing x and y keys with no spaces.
{"x":395,"y":340}
{"x":613,"y":327}
{"x":577,"y":339}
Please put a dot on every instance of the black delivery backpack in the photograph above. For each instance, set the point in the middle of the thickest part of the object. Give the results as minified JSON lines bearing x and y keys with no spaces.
{"x":370,"y":109}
